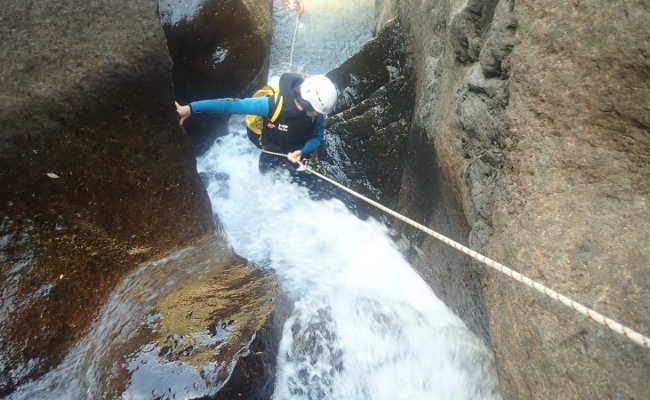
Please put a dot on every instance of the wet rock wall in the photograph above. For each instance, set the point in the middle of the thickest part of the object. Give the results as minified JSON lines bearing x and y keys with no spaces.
{"x":576,"y":199}
{"x":530,"y":143}
{"x":373,"y":115}
{"x":96,"y":176}
{"x":220,"y":49}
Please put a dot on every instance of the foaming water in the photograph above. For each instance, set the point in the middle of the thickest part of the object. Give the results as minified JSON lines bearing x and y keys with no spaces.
{"x":365,"y":325}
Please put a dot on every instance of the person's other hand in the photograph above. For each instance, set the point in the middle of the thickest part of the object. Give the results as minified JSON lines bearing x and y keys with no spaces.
{"x":295,"y":156}
{"x":184,"y":112}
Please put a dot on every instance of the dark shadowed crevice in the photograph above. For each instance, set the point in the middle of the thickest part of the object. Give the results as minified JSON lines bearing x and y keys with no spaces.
{"x":219,"y":50}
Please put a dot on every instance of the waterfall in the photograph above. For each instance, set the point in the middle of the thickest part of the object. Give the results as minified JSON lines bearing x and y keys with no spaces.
{"x":365,"y":325}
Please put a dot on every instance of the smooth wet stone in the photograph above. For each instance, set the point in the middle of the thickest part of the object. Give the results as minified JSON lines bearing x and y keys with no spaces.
{"x":93,"y":166}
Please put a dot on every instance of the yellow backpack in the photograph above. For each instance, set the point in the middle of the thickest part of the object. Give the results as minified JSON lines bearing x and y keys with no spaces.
{"x":255,"y":123}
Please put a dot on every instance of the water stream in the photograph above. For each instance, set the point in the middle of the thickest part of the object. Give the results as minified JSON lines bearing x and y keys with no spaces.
{"x":365,"y":325}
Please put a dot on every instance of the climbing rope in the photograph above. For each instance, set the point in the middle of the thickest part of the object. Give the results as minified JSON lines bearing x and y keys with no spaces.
{"x":595,"y":316}
{"x":293,"y":39}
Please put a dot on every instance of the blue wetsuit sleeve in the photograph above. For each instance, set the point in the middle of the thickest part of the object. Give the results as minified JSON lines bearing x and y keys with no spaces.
{"x":315,"y":141}
{"x":251,"y":105}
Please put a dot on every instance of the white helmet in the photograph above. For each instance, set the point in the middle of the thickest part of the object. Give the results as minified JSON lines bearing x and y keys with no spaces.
{"x":320,"y":92}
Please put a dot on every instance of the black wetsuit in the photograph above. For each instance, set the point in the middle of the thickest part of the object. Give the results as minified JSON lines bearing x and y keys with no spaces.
{"x":291,"y":130}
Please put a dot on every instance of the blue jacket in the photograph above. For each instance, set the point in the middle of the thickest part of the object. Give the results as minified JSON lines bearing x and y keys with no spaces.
{"x":256,"y":106}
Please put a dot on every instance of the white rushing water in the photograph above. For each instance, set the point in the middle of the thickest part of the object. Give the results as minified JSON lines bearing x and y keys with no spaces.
{"x":365,"y":325}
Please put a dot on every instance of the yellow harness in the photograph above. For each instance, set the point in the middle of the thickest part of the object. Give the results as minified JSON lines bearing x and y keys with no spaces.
{"x":255,"y":123}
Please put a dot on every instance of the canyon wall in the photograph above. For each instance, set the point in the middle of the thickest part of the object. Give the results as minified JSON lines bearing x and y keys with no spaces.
{"x":530,"y":142}
{"x":97,"y":176}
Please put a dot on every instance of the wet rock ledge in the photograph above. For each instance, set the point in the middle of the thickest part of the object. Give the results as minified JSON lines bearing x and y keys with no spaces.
{"x":96,"y":176}
{"x":201,"y":324}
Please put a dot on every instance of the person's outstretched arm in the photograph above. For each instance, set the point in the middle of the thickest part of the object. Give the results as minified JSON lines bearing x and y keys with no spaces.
{"x":252,"y":105}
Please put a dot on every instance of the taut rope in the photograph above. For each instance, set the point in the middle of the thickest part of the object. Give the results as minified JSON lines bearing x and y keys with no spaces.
{"x":293,"y":41}
{"x":595,"y":316}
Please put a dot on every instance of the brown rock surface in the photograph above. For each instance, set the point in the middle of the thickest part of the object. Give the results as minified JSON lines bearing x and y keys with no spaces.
{"x":96,"y":175}
{"x":576,"y":206}
{"x":207,"y":322}
{"x":220,"y":49}
{"x":531,"y":142}
{"x":373,"y":113}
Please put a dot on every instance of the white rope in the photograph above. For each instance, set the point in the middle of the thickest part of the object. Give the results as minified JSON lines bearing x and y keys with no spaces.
{"x":293,"y":41}
{"x":613,"y":325}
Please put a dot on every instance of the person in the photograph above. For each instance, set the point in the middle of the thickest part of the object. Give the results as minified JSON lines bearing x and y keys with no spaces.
{"x":295,"y":5}
{"x":294,"y":120}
